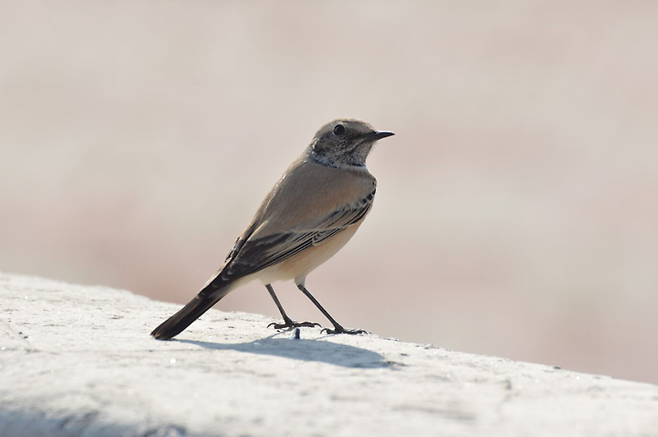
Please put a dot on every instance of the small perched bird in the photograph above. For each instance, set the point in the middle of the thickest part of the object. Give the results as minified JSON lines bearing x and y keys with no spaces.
{"x":309,"y":215}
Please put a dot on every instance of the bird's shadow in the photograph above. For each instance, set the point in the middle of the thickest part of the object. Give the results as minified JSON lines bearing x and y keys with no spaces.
{"x":305,"y":350}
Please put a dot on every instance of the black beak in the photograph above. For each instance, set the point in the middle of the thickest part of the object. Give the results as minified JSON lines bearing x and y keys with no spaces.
{"x":378,"y":135}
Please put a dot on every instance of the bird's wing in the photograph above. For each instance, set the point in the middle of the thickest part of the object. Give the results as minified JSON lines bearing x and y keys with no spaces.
{"x":308,"y":205}
{"x":257,"y":252}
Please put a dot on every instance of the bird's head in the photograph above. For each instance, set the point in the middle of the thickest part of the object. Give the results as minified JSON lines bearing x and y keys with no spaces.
{"x":345,"y":141}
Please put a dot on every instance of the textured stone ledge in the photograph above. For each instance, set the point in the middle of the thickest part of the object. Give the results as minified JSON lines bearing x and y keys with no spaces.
{"x":78,"y":361}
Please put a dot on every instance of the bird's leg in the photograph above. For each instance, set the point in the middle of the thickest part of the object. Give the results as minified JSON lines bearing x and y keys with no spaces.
{"x":288,"y":323}
{"x":338,"y":329}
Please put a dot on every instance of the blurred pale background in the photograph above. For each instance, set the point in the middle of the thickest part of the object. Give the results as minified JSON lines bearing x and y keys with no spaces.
{"x":517,"y":206}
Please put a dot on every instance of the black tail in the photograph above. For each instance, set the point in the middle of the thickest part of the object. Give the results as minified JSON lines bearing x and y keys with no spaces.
{"x":202,"y":302}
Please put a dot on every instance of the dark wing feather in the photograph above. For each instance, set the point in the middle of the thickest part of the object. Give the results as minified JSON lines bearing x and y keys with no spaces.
{"x":254,"y":254}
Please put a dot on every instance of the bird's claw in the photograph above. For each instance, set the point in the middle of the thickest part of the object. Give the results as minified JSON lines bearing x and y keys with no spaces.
{"x":341,"y":330}
{"x":292,"y":324}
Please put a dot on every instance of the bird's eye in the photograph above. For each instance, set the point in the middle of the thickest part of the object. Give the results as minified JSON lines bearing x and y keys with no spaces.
{"x":339,"y":130}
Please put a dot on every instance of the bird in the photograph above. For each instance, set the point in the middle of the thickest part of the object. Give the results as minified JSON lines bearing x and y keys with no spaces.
{"x":307,"y":217}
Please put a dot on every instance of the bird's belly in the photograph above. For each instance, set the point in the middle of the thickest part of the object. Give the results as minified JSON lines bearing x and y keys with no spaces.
{"x":300,"y":265}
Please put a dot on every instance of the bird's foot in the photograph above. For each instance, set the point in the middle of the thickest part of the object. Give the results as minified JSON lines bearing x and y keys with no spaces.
{"x":340,"y":330}
{"x":290,"y":324}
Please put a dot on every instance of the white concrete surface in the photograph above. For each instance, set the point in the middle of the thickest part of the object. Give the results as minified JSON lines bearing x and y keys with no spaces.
{"x":79,"y":361}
